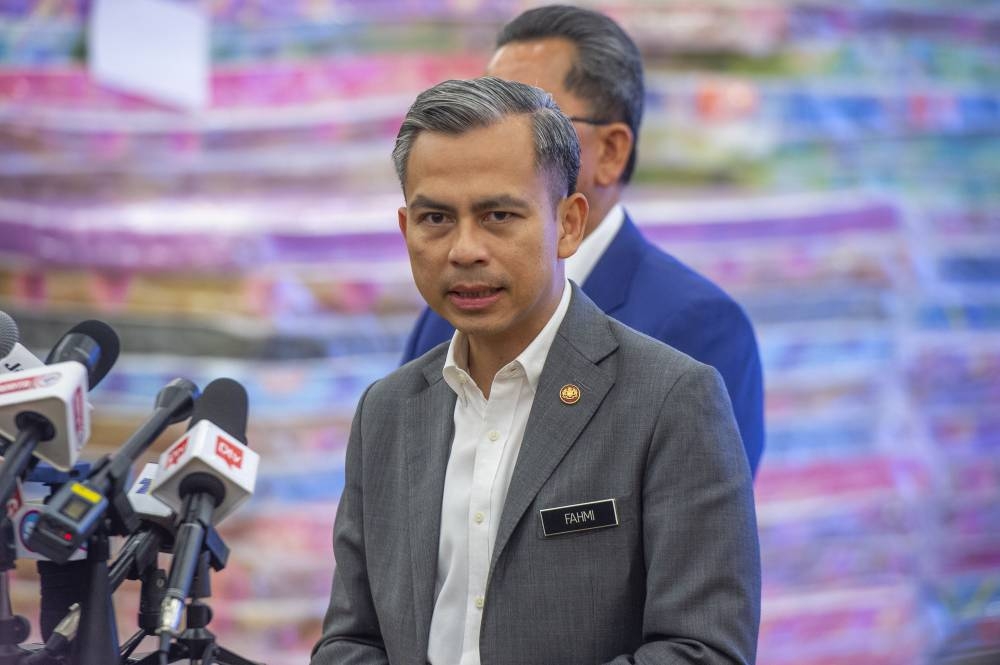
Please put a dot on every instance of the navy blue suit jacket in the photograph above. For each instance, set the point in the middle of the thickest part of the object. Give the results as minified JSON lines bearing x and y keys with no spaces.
{"x":645,"y":288}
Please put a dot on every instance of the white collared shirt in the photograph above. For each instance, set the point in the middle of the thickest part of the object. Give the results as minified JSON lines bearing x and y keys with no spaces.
{"x":488,"y":434}
{"x":580,"y":265}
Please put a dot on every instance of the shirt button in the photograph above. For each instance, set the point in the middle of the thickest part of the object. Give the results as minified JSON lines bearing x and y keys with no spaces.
{"x":494,"y":435}
{"x":479,"y":602}
{"x":479,"y":517}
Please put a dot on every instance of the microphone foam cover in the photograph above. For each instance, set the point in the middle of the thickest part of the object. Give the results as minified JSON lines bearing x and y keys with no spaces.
{"x":107,"y":341}
{"x":223,"y":402}
{"x":9,"y":334}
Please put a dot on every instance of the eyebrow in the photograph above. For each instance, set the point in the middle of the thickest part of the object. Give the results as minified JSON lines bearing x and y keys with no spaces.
{"x":483,"y":205}
{"x":501,"y":201}
{"x":421,"y":201}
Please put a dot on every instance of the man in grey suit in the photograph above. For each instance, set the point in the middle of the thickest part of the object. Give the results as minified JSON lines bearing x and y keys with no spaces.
{"x":551,"y":486}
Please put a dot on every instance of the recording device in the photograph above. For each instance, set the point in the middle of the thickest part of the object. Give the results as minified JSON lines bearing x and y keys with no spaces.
{"x":24,"y":509}
{"x":204,"y":476}
{"x":75,"y":512}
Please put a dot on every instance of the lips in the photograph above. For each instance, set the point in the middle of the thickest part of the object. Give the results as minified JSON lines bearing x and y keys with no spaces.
{"x":472,"y":297}
{"x":474,"y":293}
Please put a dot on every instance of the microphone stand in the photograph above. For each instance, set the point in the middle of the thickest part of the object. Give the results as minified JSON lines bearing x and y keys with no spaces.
{"x":197,"y":643}
{"x":97,"y":636}
{"x":141,"y":564}
{"x":14,"y":628}
{"x":154,"y":581}
{"x":137,"y":560}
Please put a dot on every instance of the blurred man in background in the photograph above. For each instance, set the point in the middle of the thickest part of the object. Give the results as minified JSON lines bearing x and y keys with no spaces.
{"x":593,"y":70}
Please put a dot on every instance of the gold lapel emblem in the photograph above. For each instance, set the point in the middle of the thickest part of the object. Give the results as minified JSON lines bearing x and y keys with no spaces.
{"x":569,"y":394}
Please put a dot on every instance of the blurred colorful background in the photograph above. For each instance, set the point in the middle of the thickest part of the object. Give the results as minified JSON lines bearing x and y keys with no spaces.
{"x":834,"y":165}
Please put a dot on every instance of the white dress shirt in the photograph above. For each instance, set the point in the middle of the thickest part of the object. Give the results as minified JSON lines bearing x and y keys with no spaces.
{"x":488,"y":435}
{"x":579,"y":266}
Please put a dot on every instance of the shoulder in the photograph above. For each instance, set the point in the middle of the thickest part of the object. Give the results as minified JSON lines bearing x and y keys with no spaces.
{"x":673,"y":292}
{"x":644,"y":354}
{"x":657,"y":268}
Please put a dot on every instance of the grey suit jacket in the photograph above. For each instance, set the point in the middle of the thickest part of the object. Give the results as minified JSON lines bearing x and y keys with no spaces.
{"x":678,"y":581}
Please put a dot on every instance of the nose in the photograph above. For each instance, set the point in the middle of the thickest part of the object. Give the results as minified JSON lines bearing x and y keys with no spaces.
{"x":469,"y":244}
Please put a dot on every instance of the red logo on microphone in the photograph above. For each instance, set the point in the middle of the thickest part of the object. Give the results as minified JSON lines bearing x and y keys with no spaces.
{"x":174,"y":454}
{"x":229,"y":453}
{"x":78,"y":413}
{"x":17,"y":385}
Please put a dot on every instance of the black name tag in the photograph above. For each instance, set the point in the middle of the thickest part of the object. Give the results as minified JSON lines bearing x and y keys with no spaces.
{"x":579,"y":517}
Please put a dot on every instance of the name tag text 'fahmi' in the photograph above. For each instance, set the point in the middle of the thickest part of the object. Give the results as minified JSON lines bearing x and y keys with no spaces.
{"x":579,"y":517}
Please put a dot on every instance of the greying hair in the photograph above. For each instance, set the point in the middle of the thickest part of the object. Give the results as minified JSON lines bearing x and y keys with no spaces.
{"x":607,"y":73}
{"x":455,"y":107}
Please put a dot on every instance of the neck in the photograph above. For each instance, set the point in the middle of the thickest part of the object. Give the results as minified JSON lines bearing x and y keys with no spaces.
{"x":484,"y":363}
{"x":488,"y":353}
{"x":601,"y":202}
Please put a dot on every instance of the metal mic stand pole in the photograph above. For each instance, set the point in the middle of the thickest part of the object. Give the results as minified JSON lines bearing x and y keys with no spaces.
{"x":197,"y":643}
{"x":143,"y":566}
{"x":14,"y":628}
{"x":18,"y":460}
{"x":97,"y":637}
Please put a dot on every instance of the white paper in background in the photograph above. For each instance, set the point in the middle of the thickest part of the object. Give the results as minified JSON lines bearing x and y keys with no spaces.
{"x":154,"y":48}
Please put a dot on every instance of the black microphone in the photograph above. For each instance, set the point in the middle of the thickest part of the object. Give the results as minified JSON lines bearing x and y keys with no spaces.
{"x":210,"y":470}
{"x":44,"y":410}
{"x":76,"y":510}
{"x":93,"y":344}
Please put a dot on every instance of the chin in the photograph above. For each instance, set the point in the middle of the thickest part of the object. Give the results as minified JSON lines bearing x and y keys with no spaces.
{"x":471,"y":325}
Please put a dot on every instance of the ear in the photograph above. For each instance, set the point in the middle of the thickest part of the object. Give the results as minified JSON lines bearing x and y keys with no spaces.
{"x":572,"y":213}
{"x":615,"y":143}
{"x":402,"y":220}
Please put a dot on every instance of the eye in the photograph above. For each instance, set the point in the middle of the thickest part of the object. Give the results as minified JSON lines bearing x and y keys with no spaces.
{"x":433,"y":218}
{"x":498,"y":216}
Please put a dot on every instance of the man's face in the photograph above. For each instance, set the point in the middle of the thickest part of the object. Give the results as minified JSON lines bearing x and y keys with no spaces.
{"x":483,"y":233}
{"x":544,"y":63}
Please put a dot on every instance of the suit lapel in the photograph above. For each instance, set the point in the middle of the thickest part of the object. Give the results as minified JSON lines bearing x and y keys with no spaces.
{"x":609,"y":281}
{"x":429,"y":414}
{"x":583,"y":340}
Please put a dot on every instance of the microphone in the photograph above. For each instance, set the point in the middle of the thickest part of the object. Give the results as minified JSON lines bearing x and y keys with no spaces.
{"x":141,"y":547}
{"x":76,"y":510}
{"x":204,"y":476}
{"x":16,"y":358}
{"x":43,"y":409}
{"x":93,"y":344}
{"x":134,"y":557}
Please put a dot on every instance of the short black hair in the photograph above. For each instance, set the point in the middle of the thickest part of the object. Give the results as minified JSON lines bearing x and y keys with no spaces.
{"x":455,"y":107}
{"x":608,"y":68}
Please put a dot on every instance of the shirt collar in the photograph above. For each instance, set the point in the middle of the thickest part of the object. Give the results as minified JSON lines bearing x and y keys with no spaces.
{"x":531,"y":360}
{"x":580,"y":265}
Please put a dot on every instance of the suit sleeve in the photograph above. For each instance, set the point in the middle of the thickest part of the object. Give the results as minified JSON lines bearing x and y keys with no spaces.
{"x":703,"y":563}
{"x":351,"y":632}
